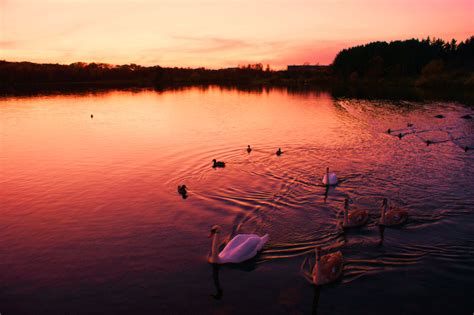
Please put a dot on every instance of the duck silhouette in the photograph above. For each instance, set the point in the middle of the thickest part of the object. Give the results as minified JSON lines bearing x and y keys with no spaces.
{"x":218,"y":163}
{"x":182,"y":191}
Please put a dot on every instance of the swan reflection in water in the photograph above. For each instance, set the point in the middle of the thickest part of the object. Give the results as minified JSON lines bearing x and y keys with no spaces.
{"x":381,"y":230}
{"x":247,"y":266}
{"x":326,"y":192}
{"x":317,"y":293}
{"x":316,"y":296}
{"x":328,"y":189}
{"x":217,"y":284}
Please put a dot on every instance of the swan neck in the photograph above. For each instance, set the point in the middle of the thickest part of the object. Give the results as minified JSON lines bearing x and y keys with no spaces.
{"x":214,"y":249}
{"x":316,"y":270}
{"x":382,"y":217}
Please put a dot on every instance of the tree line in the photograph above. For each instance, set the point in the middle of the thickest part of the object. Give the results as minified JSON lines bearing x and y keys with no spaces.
{"x":426,"y":61}
{"x":21,"y":73}
{"x":414,"y":62}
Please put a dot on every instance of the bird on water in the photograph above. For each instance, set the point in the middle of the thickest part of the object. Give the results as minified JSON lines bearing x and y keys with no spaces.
{"x":218,"y":163}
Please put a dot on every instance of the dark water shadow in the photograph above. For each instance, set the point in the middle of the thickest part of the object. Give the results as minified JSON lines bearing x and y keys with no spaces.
{"x":382,"y":234}
{"x":367,"y":92}
{"x":247,"y":266}
{"x":396,"y":93}
{"x":316,"y":296}
{"x":215,"y":278}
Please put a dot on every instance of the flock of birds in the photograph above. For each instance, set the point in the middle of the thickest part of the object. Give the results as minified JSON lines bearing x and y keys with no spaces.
{"x":328,"y":267}
{"x":428,"y":142}
{"x":182,"y":189}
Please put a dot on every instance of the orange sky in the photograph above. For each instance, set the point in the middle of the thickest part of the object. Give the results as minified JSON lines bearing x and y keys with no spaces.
{"x":217,"y":33}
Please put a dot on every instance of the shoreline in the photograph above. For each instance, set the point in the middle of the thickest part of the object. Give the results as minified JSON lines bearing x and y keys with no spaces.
{"x":365,"y":90}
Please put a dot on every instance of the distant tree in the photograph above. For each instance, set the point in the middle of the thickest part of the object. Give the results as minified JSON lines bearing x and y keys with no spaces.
{"x":404,"y":58}
{"x":354,"y":76}
{"x":434,"y":67}
{"x":375,"y":67}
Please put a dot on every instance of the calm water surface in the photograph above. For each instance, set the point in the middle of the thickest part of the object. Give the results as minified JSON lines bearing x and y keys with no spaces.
{"x":90,"y":220}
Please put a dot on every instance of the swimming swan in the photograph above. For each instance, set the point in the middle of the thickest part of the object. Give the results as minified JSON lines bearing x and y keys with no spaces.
{"x":279,"y":152}
{"x":327,"y":268}
{"x":355,"y":218}
{"x":332,"y":178}
{"x":393,"y":216}
{"x":241,"y":248}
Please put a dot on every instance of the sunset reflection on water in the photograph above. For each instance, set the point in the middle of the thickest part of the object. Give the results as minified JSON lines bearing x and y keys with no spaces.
{"x":91,"y":220}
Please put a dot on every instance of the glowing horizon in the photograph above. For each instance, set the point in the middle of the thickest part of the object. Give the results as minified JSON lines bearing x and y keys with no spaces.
{"x":213,"y":34}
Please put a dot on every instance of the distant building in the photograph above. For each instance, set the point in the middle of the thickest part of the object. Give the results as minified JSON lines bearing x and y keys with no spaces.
{"x":318,"y":68}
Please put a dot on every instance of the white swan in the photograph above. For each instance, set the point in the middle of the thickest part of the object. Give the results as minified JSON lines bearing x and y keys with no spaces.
{"x":241,"y":248}
{"x":331,"y":176}
{"x":328,"y":268}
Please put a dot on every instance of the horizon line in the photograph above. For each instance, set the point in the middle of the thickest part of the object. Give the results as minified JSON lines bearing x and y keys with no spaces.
{"x":431,"y":38}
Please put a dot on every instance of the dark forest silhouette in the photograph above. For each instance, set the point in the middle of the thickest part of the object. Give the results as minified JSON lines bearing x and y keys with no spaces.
{"x":428,"y":62}
{"x":15,"y":74}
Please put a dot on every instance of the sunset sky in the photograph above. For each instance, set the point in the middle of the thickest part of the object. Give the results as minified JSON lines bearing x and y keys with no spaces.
{"x":223,"y":33}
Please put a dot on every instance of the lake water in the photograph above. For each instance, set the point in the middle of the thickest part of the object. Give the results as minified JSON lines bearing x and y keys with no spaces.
{"x":91,"y":221}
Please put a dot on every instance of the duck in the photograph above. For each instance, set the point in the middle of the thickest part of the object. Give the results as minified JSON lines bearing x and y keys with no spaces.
{"x":182,"y":190}
{"x":428,"y":142}
{"x":439,"y":116}
{"x":466,"y":116}
{"x":249,"y":149}
{"x":241,"y":247}
{"x":409,"y":125}
{"x":328,"y":268}
{"x":389,"y":131}
{"x":218,"y":163}
{"x":354,"y":219}
{"x":329,"y":178}
{"x":466,"y":148}
{"x":279,"y":152}
{"x":400,"y":135}
{"x":92,"y":116}
{"x":393,"y":216}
